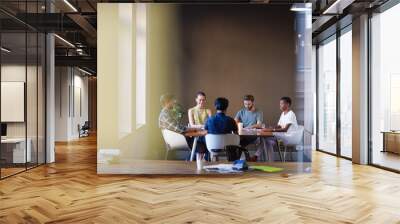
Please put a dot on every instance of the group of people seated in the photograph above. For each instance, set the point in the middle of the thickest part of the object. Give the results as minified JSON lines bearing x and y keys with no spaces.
{"x":248,"y":117}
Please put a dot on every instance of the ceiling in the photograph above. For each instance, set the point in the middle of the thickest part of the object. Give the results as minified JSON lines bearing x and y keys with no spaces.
{"x":76,"y":21}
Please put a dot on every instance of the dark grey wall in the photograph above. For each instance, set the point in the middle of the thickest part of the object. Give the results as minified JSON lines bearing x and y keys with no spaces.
{"x":232,"y":50}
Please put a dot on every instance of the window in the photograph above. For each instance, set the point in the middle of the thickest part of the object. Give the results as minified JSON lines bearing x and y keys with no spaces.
{"x":346,"y":94}
{"x":125,"y":69}
{"x":385,"y":88}
{"x":327,"y":96}
{"x":141,"y":65}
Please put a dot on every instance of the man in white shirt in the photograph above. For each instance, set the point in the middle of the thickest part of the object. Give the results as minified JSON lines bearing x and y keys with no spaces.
{"x":287,"y":123}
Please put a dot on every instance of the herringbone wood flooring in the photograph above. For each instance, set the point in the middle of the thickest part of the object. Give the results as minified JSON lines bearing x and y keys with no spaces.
{"x":69,"y":191}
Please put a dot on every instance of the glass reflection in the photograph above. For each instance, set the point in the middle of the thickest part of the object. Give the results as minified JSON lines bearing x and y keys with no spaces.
{"x":193,"y":54}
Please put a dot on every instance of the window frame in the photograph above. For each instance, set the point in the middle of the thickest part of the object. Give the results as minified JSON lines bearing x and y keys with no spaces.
{"x":334,"y":37}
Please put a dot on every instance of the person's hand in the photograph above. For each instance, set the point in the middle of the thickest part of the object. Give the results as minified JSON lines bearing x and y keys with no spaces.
{"x":195,"y":132}
{"x":192,"y":129}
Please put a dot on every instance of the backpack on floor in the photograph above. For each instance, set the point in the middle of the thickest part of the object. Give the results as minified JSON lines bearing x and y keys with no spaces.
{"x":234,"y":152}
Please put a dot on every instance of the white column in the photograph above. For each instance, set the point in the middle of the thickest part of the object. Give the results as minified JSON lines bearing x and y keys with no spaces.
{"x":50,"y":99}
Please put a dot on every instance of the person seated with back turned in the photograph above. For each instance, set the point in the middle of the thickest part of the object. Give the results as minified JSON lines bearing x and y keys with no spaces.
{"x":251,"y":117}
{"x":287,"y":123}
{"x":220,"y":123}
{"x":199,"y":114}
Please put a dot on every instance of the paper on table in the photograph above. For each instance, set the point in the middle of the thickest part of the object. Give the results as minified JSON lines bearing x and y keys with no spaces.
{"x":221,"y":168}
{"x":269,"y":169}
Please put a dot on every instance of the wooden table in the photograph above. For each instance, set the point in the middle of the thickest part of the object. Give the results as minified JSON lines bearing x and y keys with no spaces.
{"x":391,"y":141}
{"x":178,"y":167}
{"x":197,"y":134}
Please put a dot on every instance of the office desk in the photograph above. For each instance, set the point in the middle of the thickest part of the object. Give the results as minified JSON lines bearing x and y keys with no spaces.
{"x":391,"y":141}
{"x":244,"y":132}
{"x":15,"y":148}
{"x":175,"y":167}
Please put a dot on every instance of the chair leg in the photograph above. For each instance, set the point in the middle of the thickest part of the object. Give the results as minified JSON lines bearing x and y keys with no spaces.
{"x":279,"y":151}
{"x":284,"y":153}
{"x":291,"y":156}
{"x":166,"y":154}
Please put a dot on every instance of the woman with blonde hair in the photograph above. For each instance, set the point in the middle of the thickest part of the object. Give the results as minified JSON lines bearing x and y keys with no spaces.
{"x":199,"y":114}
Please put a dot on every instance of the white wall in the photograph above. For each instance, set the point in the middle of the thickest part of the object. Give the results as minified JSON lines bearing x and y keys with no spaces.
{"x":71,"y":102}
{"x":16,"y":73}
{"x":33,"y":127}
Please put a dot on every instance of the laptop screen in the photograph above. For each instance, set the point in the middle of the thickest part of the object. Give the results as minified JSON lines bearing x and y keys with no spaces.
{"x":3,"y":129}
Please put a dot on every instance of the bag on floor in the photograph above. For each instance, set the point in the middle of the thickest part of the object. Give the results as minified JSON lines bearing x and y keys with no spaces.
{"x":234,"y":152}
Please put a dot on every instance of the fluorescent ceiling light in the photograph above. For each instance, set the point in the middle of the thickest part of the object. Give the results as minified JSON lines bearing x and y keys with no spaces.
{"x":70,"y":5}
{"x":5,"y":50}
{"x":331,"y":7}
{"x":301,"y":7}
{"x":338,"y":6}
{"x":65,"y":41}
{"x":84,"y":71}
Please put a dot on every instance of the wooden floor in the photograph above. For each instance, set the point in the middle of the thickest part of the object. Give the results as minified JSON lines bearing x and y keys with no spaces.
{"x":386,"y":159}
{"x":70,"y":191}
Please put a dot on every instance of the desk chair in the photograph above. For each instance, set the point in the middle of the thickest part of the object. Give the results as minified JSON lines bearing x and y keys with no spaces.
{"x":174,"y":141}
{"x":216,"y":143}
{"x":291,"y":142}
{"x":84,"y":129}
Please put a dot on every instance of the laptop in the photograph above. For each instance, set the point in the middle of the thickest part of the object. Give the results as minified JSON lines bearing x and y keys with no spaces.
{"x":3,"y":131}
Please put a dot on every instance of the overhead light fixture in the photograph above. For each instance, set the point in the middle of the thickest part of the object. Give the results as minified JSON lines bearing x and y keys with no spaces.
{"x":65,"y":41}
{"x":301,"y":7}
{"x":5,"y":50}
{"x":84,"y":71}
{"x":70,"y":5}
{"x":337,"y":7}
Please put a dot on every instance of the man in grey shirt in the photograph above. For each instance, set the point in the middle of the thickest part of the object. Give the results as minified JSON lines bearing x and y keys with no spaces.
{"x":250,"y":117}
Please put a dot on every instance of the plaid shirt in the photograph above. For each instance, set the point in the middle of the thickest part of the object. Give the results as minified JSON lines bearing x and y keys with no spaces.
{"x":167,"y":120}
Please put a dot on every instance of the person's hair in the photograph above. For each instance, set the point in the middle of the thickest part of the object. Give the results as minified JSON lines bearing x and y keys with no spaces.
{"x":166,"y":98}
{"x":200,"y":93}
{"x":248,"y":97}
{"x":221,"y":103}
{"x":287,"y":100}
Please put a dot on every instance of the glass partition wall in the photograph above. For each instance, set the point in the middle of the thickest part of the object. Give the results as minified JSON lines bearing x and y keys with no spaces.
{"x":385,"y":89}
{"x":22,"y":77}
{"x":334,"y":84}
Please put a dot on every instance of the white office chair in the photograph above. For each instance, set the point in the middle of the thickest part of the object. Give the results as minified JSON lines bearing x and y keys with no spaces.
{"x":218,"y":142}
{"x":174,"y":141}
{"x":292,"y":140}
